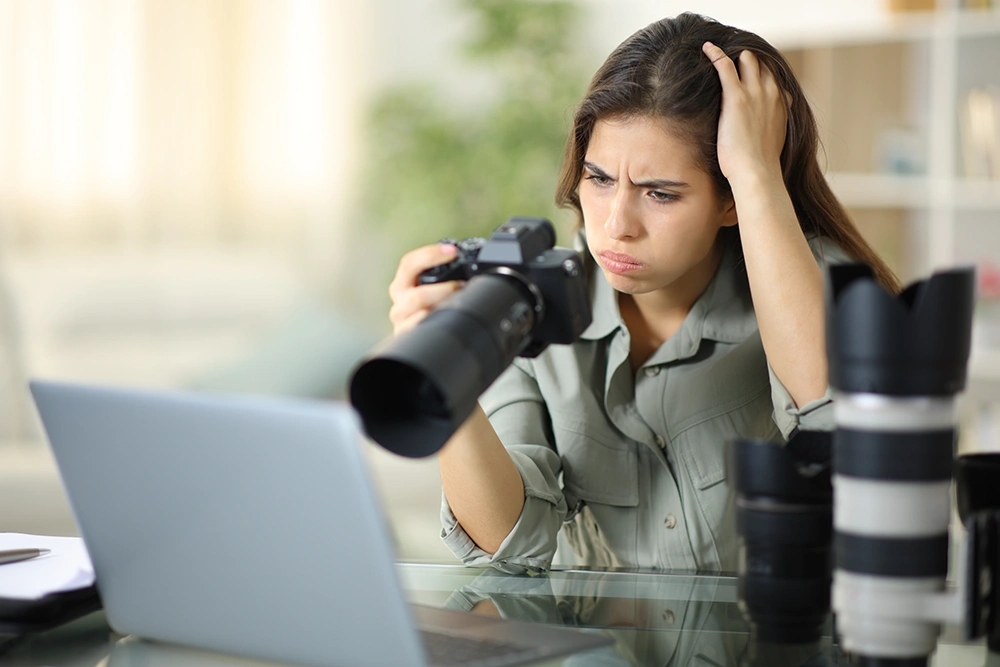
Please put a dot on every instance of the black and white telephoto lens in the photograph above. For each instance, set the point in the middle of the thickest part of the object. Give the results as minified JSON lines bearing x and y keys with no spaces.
{"x":896,"y":363}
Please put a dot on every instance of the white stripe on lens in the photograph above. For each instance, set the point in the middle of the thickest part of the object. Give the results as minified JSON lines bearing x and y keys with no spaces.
{"x":889,"y":616}
{"x":880,"y":508}
{"x":875,"y":412}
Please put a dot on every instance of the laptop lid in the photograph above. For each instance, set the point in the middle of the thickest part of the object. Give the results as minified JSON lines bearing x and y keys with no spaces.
{"x":247,"y":526}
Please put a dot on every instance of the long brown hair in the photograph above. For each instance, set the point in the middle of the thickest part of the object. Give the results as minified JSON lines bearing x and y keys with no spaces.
{"x":661,"y":71}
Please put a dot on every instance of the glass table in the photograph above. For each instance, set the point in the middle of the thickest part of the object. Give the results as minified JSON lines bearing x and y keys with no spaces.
{"x":655,"y":618}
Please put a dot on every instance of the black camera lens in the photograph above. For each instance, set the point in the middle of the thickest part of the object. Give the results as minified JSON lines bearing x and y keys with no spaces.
{"x":784,"y":521}
{"x":977,"y":489}
{"x":977,"y":483}
{"x":521,"y":295}
{"x":416,"y":393}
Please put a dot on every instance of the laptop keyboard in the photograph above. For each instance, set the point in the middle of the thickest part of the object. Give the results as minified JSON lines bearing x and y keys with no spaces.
{"x":446,"y":650}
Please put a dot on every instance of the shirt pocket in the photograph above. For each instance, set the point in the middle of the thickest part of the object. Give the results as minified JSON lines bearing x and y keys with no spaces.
{"x":701,"y":446}
{"x":597,"y":470}
{"x":702,"y":450}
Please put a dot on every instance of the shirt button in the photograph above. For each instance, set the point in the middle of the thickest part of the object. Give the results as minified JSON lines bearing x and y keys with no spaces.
{"x":661,"y":441}
{"x":670,"y":521}
{"x":668,"y":617}
{"x":652,"y":371}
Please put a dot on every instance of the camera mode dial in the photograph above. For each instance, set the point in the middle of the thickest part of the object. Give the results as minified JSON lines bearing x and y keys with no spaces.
{"x":458,"y":268}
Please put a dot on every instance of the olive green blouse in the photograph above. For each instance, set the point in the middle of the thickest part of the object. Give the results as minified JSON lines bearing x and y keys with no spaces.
{"x":630,"y":465}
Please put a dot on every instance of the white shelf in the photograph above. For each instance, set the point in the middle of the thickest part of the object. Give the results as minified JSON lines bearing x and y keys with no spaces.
{"x":978,"y":23}
{"x":977,"y":195}
{"x":903,"y":27}
{"x":915,"y":28}
{"x":984,"y":364}
{"x":864,"y":190}
{"x":859,"y":190}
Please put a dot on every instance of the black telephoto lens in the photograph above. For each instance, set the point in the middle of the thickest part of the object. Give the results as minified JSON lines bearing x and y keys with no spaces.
{"x":977,"y":490}
{"x":414,"y":394}
{"x":521,"y":294}
{"x":784,"y":522}
{"x":977,"y":483}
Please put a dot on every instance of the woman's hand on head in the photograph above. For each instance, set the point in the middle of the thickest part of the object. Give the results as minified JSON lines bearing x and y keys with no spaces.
{"x":412,"y":302}
{"x":754,"y":116}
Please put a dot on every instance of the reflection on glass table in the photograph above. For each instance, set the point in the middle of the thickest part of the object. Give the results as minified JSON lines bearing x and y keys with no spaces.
{"x":655,"y":618}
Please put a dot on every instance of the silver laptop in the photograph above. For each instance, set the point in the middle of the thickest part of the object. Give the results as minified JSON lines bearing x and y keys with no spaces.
{"x":250,"y":526}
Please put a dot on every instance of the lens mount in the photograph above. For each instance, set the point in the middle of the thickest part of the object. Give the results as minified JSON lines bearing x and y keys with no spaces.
{"x":536,"y":294}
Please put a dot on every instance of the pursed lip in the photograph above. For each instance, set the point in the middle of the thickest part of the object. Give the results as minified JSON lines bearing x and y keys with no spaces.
{"x":618,"y":263}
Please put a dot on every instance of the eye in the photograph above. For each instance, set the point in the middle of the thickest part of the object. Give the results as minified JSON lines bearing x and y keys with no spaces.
{"x":658,"y":195}
{"x":598,"y":179}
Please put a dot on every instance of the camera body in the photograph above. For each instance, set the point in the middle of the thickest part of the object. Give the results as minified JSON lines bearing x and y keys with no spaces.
{"x":522,"y":249}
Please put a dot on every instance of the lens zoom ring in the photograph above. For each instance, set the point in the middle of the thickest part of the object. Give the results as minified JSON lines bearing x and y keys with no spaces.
{"x":892,"y":557}
{"x":918,"y":456}
{"x":811,"y":525}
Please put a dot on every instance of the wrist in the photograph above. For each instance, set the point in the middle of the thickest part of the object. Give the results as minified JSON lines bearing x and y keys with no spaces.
{"x":757,"y":176}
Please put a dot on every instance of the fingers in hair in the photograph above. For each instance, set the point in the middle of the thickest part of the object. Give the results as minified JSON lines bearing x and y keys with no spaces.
{"x":724,"y":65}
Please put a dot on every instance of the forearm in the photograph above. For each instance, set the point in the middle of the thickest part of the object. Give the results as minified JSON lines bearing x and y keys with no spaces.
{"x":786,"y":284}
{"x":481,"y":483}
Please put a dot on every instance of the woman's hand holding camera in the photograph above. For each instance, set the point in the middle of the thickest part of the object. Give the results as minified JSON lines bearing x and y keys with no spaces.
{"x":411,"y":302}
{"x":482,"y":485}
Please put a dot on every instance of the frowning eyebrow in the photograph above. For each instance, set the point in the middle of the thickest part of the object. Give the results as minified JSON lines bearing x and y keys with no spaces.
{"x":654,"y":184}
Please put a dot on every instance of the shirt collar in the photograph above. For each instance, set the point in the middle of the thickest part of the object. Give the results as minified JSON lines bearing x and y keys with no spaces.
{"x":729,"y":315}
{"x":723,"y":312}
{"x":603,"y":305}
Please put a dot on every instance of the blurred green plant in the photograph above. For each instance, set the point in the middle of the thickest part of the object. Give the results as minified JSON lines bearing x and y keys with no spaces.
{"x":461,"y":172}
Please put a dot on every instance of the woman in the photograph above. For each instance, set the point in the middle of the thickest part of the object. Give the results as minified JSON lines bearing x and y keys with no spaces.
{"x":692,"y":164}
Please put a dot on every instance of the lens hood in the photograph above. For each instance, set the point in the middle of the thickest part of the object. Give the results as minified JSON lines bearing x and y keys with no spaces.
{"x":766,"y":469}
{"x":914,"y":344}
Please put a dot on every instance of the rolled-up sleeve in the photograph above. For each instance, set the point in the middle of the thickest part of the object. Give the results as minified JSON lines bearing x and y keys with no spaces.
{"x":517,"y":412}
{"x":816,"y":415}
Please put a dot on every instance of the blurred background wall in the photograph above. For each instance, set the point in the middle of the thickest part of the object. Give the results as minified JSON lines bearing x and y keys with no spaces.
{"x":213,"y":194}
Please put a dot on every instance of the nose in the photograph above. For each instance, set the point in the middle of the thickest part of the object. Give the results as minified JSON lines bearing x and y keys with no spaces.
{"x":622,"y":222}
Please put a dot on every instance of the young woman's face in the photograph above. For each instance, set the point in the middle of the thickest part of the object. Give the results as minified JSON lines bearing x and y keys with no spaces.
{"x":651,"y":214}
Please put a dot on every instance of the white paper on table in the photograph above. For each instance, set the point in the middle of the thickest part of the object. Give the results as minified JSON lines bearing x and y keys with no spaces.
{"x":66,"y":568}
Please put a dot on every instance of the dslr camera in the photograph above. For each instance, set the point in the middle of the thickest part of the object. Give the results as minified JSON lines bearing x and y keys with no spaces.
{"x":522,"y":250}
{"x":521,"y":295}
